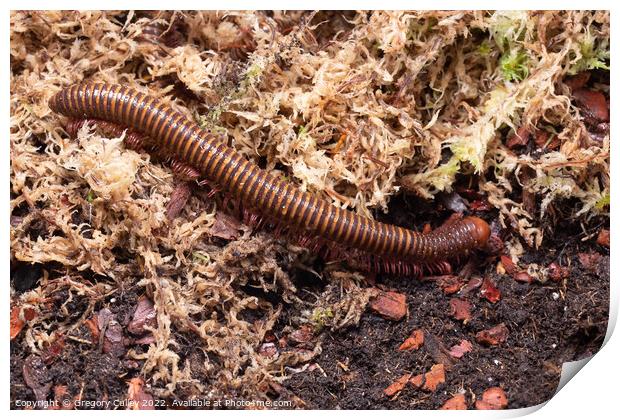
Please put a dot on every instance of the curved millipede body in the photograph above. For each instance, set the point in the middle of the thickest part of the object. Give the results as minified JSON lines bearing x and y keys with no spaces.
{"x":178,"y":137}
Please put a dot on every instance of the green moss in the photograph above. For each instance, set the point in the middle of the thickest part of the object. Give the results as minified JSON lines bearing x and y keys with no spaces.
{"x":253,"y":72}
{"x":603,"y":202}
{"x":592,"y":57}
{"x":513,"y":65}
{"x":302,"y":131}
{"x":508,"y":27}
{"x":442,"y":177}
{"x":90,"y":197}
{"x":198,"y":257}
{"x":484,"y":48}
{"x":320,"y":317}
{"x":203,"y":121}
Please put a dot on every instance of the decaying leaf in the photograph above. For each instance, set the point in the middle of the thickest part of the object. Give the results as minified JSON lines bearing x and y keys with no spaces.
{"x":37,"y":377}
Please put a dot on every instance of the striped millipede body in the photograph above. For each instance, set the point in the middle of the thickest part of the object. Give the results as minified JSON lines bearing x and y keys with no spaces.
{"x":158,"y":32}
{"x":176,"y":136}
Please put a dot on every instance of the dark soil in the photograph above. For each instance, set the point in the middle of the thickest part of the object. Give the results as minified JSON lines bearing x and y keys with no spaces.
{"x":548,"y":324}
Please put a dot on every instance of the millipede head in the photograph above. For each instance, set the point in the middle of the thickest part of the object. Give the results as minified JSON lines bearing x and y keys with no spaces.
{"x":481,"y":230}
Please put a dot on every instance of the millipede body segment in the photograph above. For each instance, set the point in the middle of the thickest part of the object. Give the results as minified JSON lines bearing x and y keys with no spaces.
{"x":183,"y":140}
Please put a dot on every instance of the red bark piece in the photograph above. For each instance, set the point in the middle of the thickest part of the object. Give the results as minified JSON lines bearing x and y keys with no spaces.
{"x":578,"y":81}
{"x":144,"y":315}
{"x":489,"y":291}
{"x":493,"y":336}
{"x":603,"y":238}
{"x":93,"y":325}
{"x":509,"y":266}
{"x":417,"y":380}
{"x":455,"y":403}
{"x":460,"y":349}
{"x":390,"y":305}
{"x":523,"y":277}
{"x":541,"y":137}
{"x":557,"y":272}
{"x":397,"y":385}
{"x":460,"y":309}
{"x":590,"y":261}
{"x":431,"y":380}
{"x":104,"y":316}
{"x":17,"y":323}
{"x":301,"y":335}
{"x":520,"y":138}
{"x":514,"y":271}
{"x":138,"y":398}
{"x":492,"y":399}
{"x":414,"y":341}
{"x":113,"y":336}
{"x":450,"y":284}
{"x":51,"y":352}
{"x":225,"y":227}
{"x":434,"y":378}
{"x":592,"y":103}
{"x":113,"y":342}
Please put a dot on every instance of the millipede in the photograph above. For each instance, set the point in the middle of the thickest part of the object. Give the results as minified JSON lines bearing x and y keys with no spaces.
{"x":157,"y":32}
{"x":199,"y":151}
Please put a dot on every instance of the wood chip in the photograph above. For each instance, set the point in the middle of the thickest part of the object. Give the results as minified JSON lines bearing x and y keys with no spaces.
{"x":390,"y":305}
{"x":457,"y":402}
{"x":603,"y":238}
{"x":460,"y":349}
{"x":489,"y":291}
{"x":138,"y":398}
{"x":492,"y":399}
{"x":460,"y":309}
{"x":397,"y":385}
{"x":431,"y":380}
{"x":414,"y":341}
{"x":493,"y":336}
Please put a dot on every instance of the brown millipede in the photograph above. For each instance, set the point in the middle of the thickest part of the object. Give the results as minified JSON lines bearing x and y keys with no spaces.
{"x":158,"y":32}
{"x":176,"y":136}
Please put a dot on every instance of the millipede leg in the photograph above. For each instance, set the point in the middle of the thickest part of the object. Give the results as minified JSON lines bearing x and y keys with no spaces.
{"x":133,"y":139}
{"x":184,"y":171}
